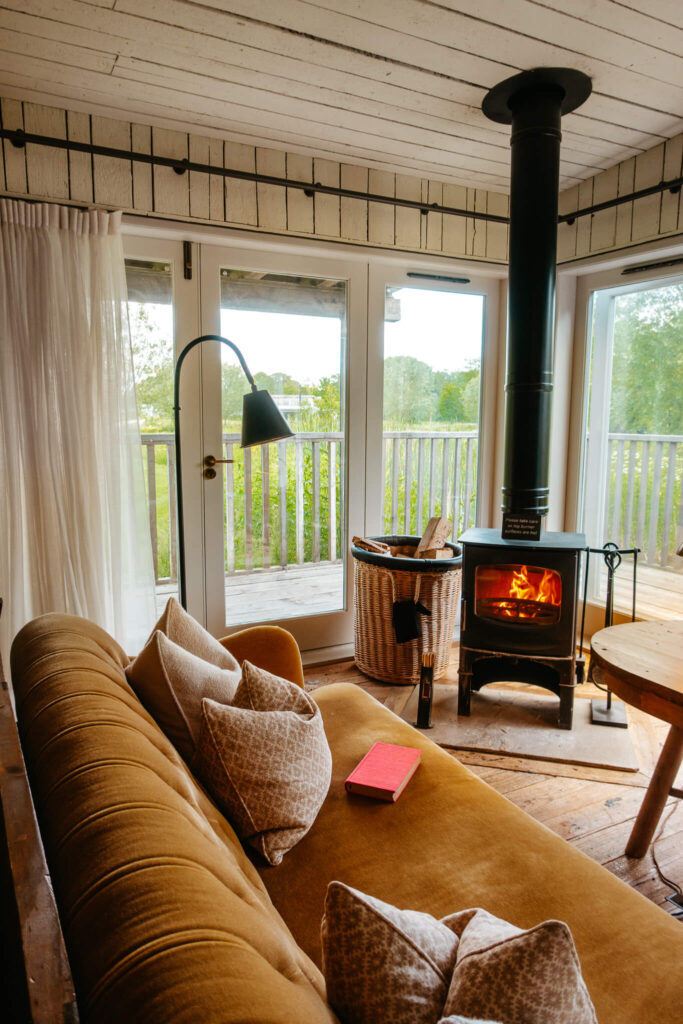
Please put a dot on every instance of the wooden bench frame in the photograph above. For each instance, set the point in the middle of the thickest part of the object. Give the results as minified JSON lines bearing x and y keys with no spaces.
{"x":31,"y":931}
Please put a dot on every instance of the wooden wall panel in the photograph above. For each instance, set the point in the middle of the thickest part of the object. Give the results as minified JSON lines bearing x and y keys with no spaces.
{"x":604,"y":223}
{"x":129,"y":185}
{"x":299,"y":205}
{"x":271,"y":200}
{"x":48,"y":169}
{"x":627,"y":170}
{"x":80,"y":164}
{"x":381,"y":219}
{"x":671,"y":202}
{"x":143,"y":185}
{"x":171,"y":190}
{"x":455,"y":228}
{"x":354,"y":212}
{"x":240,"y":196}
{"x":112,"y":177}
{"x":15,"y":159}
{"x":646,"y":212}
{"x":327,"y":209}
{"x":407,"y":220}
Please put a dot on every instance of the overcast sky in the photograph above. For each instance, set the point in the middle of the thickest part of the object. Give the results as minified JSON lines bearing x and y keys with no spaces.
{"x":443,"y":329}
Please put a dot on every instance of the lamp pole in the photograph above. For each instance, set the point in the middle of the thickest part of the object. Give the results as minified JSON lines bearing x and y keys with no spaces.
{"x":262,"y":422}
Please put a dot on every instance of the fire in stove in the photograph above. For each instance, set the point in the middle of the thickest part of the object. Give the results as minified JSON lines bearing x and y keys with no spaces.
{"x":520,"y":593}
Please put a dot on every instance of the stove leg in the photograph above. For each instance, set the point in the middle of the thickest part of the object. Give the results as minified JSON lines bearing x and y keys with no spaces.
{"x":566,"y":705}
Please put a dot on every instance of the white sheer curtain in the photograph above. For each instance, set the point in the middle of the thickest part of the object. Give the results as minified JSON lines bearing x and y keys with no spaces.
{"x":74,"y":535}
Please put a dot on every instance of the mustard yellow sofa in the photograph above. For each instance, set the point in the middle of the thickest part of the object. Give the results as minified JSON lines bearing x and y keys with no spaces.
{"x":168,"y":921}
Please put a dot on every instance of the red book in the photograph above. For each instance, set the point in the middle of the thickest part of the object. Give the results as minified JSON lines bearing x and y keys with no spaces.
{"x":384,"y":772}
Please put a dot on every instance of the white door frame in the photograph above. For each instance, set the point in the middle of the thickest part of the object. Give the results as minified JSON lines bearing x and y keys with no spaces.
{"x":382,"y":274}
{"x":151,"y":238}
{"x":322,"y":630}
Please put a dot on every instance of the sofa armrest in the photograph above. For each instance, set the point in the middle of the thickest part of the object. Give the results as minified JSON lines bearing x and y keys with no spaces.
{"x":269,"y":647}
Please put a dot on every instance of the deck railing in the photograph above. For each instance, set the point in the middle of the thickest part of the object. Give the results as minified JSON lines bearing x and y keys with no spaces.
{"x":282,"y":502}
{"x":438,"y":471}
{"x":644,"y":506}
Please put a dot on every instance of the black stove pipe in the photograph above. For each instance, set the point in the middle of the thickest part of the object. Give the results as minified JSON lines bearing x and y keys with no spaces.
{"x":533,"y":103}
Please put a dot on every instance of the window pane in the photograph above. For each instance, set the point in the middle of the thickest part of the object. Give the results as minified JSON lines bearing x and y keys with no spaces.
{"x":150,"y":313}
{"x":284,"y":502}
{"x":432,"y":360}
{"x":633,"y":489}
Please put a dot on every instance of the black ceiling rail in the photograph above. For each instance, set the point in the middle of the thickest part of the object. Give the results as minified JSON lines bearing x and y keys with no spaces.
{"x":672,"y":186}
{"x":19,"y":138}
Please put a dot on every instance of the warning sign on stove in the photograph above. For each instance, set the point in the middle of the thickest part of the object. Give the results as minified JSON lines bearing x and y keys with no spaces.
{"x":518,"y":526}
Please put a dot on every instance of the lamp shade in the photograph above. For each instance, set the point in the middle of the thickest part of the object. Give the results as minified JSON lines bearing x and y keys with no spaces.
{"x":262,"y":421}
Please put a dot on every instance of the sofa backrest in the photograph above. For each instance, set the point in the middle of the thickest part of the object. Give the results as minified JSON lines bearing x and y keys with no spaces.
{"x":165,"y":918}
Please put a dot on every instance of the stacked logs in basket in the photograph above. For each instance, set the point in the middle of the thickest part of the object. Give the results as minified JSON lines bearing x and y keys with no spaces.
{"x":432,"y":543}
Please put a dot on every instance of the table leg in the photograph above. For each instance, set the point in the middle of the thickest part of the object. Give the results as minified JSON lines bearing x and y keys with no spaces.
{"x":657,"y":794}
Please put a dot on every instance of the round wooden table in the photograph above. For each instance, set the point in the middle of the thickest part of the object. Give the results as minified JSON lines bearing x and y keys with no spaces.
{"x":642,"y":662}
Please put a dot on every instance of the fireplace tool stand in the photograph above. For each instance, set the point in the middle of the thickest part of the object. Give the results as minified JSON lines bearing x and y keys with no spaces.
{"x":604,"y":712}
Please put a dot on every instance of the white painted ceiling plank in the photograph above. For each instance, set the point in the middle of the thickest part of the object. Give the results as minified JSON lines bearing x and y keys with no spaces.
{"x":634,"y":24}
{"x":667,"y":11}
{"x":433,"y":110}
{"x":138,"y":28}
{"x":430,"y":42}
{"x":551,"y":27}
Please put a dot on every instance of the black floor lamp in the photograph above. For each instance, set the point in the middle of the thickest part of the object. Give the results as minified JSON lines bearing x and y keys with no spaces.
{"x":262,"y":422}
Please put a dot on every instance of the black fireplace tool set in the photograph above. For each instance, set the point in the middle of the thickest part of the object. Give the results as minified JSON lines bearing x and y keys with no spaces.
{"x":604,"y":712}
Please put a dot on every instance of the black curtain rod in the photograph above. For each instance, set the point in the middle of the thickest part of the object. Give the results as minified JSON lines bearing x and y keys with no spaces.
{"x":671,"y":186}
{"x":19,"y":138}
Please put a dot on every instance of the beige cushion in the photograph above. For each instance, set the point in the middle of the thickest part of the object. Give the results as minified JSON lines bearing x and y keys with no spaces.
{"x":515,"y":976}
{"x":381,"y":963}
{"x":384,"y":964}
{"x":265,"y":760}
{"x":171,"y":683}
{"x":185,"y":631}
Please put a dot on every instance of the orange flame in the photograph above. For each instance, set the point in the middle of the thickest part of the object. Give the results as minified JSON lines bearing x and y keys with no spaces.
{"x":545,"y":592}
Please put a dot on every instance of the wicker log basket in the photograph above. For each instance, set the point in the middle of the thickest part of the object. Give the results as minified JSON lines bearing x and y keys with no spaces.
{"x":379,"y":581}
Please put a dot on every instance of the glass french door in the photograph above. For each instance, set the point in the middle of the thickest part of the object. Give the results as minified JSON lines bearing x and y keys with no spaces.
{"x":278,"y":518}
{"x":382,"y":378}
{"x":427,"y":369}
{"x":633,"y":466}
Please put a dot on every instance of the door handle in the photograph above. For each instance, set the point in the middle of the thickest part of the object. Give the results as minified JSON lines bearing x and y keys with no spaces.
{"x":210,"y":461}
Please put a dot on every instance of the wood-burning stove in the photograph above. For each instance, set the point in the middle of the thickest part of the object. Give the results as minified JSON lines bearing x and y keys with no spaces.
{"x":520,"y":596}
{"x":518,"y":614}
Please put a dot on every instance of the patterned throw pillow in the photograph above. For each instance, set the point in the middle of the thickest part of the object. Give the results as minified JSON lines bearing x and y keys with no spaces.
{"x":171,"y":682}
{"x":185,"y":631}
{"x":265,"y":760}
{"x":381,"y":963}
{"x":384,"y":964}
{"x":515,"y":976}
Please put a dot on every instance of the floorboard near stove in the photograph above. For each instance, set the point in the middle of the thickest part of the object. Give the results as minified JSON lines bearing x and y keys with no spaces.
{"x":596,"y":817}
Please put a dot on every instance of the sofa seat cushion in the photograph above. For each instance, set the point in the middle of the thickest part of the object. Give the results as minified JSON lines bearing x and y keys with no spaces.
{"x":164,"y":916}
{"x":450,"y":843}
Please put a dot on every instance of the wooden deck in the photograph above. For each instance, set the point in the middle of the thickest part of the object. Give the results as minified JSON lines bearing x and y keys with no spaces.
{"x":593,"y":809}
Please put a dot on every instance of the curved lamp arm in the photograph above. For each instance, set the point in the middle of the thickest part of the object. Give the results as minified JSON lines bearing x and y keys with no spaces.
{"x":276,"y":429}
